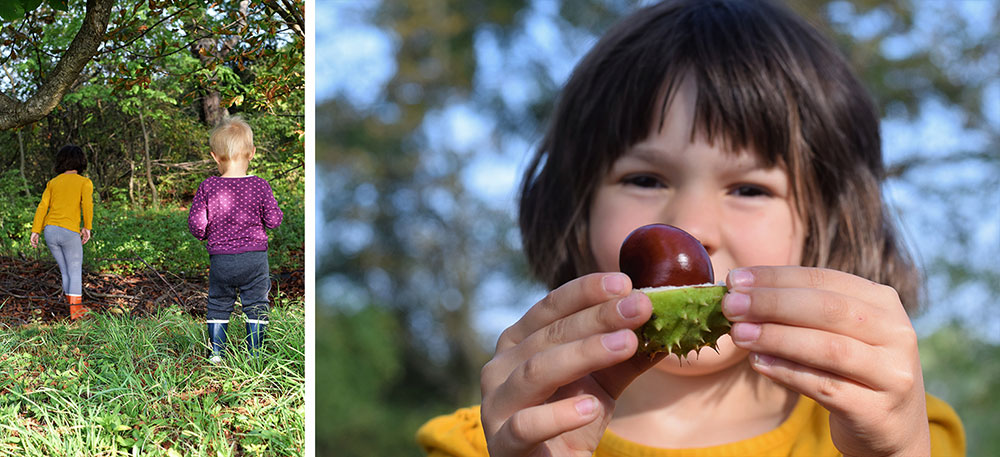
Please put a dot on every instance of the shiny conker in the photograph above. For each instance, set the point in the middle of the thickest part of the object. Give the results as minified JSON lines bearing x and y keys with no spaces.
{"x":660,"y":255}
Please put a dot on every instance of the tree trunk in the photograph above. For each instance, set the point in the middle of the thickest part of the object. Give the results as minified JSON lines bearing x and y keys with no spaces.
{"x":131,"y":178}
{"x":97,"y":171}
{"x":212,"y":109}
{"x":20,"y":143}
{"x":210,"y":52}
{"x":148,"y":163}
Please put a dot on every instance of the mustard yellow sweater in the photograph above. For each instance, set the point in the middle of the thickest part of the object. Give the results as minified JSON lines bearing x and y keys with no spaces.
{"x":805,"y":433}
{"x":65,"y":197}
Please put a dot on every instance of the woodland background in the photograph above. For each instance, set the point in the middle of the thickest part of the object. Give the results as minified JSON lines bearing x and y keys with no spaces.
{"x":427,"y":110}
{"x":138,"y":85}
{"x":155,"y":79}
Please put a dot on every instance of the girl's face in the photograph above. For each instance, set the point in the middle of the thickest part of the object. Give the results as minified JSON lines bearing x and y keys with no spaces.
{"x":741,"y":212}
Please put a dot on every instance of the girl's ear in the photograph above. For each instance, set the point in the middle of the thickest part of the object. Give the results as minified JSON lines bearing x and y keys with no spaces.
{"x":218,"y":163}
{"x":252,"y":152}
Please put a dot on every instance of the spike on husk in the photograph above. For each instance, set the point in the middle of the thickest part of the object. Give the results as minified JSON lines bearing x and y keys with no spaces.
{"x":684,"y":319}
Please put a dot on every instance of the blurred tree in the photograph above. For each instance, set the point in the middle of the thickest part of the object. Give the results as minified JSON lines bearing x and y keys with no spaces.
{"x":389,"y":187}
{"x":362,"y":355}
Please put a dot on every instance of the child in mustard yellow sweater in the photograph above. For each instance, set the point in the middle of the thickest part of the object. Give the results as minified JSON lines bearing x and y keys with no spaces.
{"x":67,"y":197}
{"x":736,"y":121}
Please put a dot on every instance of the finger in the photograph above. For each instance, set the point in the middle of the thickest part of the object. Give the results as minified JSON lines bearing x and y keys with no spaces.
{"x":838,"y":355}
{"x":617,"y":314}
{"x":627,"y":313}
{"x":530,"y":427}
{"x":835,"y":393}
{"x":535,"y":380}
{"x":815,"y":278}
{"x":813,"y":308}
{"x":580,"y":293}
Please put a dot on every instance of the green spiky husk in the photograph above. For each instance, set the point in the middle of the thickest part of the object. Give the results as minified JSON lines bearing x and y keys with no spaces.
{"x":684,"y":319}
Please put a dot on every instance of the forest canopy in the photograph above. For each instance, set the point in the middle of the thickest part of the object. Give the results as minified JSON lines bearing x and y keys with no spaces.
{"x":160,"y":76}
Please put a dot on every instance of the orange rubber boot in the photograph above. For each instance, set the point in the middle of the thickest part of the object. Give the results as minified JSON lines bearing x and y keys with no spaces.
{"x":76,"y":309}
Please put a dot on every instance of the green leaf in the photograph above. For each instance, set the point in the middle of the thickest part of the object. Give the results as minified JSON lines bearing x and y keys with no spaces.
{"x":61,"y":5}
{"x":11,"y":11}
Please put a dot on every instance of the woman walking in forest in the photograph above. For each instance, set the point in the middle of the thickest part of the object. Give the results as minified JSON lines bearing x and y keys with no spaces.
{"x":67,"y":197}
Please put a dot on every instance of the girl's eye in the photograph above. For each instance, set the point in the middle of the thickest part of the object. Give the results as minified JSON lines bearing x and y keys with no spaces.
{"x":749,"y":190}
{"x":646,"y":181}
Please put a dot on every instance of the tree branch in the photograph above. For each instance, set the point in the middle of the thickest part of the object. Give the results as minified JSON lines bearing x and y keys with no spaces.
{"x":15,"y":113}
{"x":291,"y":12}
{"x":904,"y":166}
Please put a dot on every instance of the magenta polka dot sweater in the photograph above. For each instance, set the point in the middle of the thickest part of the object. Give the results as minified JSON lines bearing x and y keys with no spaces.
{"x":232,"y":213}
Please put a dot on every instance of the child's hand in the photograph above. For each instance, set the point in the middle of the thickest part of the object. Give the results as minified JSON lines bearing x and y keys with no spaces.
{"x":34,"y":240}
{"x":84,"y":236}
{"x":842,"y":340}
{"x":551,"y":386}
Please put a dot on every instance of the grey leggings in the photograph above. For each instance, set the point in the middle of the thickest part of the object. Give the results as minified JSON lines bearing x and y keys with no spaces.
{"x":67,"y":248}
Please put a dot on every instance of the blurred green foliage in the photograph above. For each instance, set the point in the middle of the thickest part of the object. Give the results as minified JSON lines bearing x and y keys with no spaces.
{"x":365,"y":402}
{"x":963,"y":368}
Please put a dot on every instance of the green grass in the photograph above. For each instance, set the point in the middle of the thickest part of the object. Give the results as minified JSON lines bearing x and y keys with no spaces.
{"x":116,"y":385}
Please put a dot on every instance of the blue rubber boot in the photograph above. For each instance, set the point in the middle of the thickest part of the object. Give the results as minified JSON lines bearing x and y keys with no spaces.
{"x":255,"y":335}
{"x":217,"y":339}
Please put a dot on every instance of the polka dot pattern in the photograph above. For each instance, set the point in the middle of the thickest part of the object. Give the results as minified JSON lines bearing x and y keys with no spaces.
{"x":231,"y":214}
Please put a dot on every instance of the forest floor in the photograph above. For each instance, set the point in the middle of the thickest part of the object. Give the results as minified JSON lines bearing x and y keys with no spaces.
{"x":30,"y":291}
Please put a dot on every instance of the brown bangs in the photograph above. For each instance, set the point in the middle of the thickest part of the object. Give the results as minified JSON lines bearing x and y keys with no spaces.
{"x":743,"y":69}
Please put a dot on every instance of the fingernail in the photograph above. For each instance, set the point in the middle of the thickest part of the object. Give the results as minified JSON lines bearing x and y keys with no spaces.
{"x":614,"y":284}
{"x":614,"y":342}
{"x":735,"y":304}
{"x":745,"y":332}
{"x":761,"y":360}
{"x":586,"y":406}
{"x":628,"y":307}
{"x":740,"y":278}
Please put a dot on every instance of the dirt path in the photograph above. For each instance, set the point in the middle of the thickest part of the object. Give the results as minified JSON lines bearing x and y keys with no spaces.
{"x":30,"y":291}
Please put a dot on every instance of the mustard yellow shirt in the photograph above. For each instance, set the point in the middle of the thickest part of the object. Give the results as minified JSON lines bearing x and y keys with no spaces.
{"x":806,"y":432}
{"x":66,"y":196}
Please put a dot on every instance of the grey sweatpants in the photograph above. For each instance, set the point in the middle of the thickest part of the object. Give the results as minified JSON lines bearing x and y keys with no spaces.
{"x":67,"y":248}
{"x":246,"y":275}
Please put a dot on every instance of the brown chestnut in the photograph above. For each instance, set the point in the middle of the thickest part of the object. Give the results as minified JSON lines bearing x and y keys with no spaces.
{"x":660,"y":255}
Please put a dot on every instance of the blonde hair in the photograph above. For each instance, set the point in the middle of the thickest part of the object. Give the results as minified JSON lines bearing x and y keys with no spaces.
{"x":231,"y":139}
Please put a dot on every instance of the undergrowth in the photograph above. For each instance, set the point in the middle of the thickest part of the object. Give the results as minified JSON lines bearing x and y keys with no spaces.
{"x":125,"y":239}
{"x":116,"y":385}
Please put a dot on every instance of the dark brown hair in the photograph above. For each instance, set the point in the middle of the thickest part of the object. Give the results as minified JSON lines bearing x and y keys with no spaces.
{"x":766,"y":81}
{"x":70,"y":157}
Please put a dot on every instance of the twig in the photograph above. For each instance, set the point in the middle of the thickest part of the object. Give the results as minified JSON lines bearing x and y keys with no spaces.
{"x":100,"y":295}
{"x":289,"y":170}
{"x":176,"y":295}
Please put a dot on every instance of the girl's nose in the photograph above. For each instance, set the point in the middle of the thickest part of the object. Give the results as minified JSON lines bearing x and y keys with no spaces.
{"x":697,"y":213}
